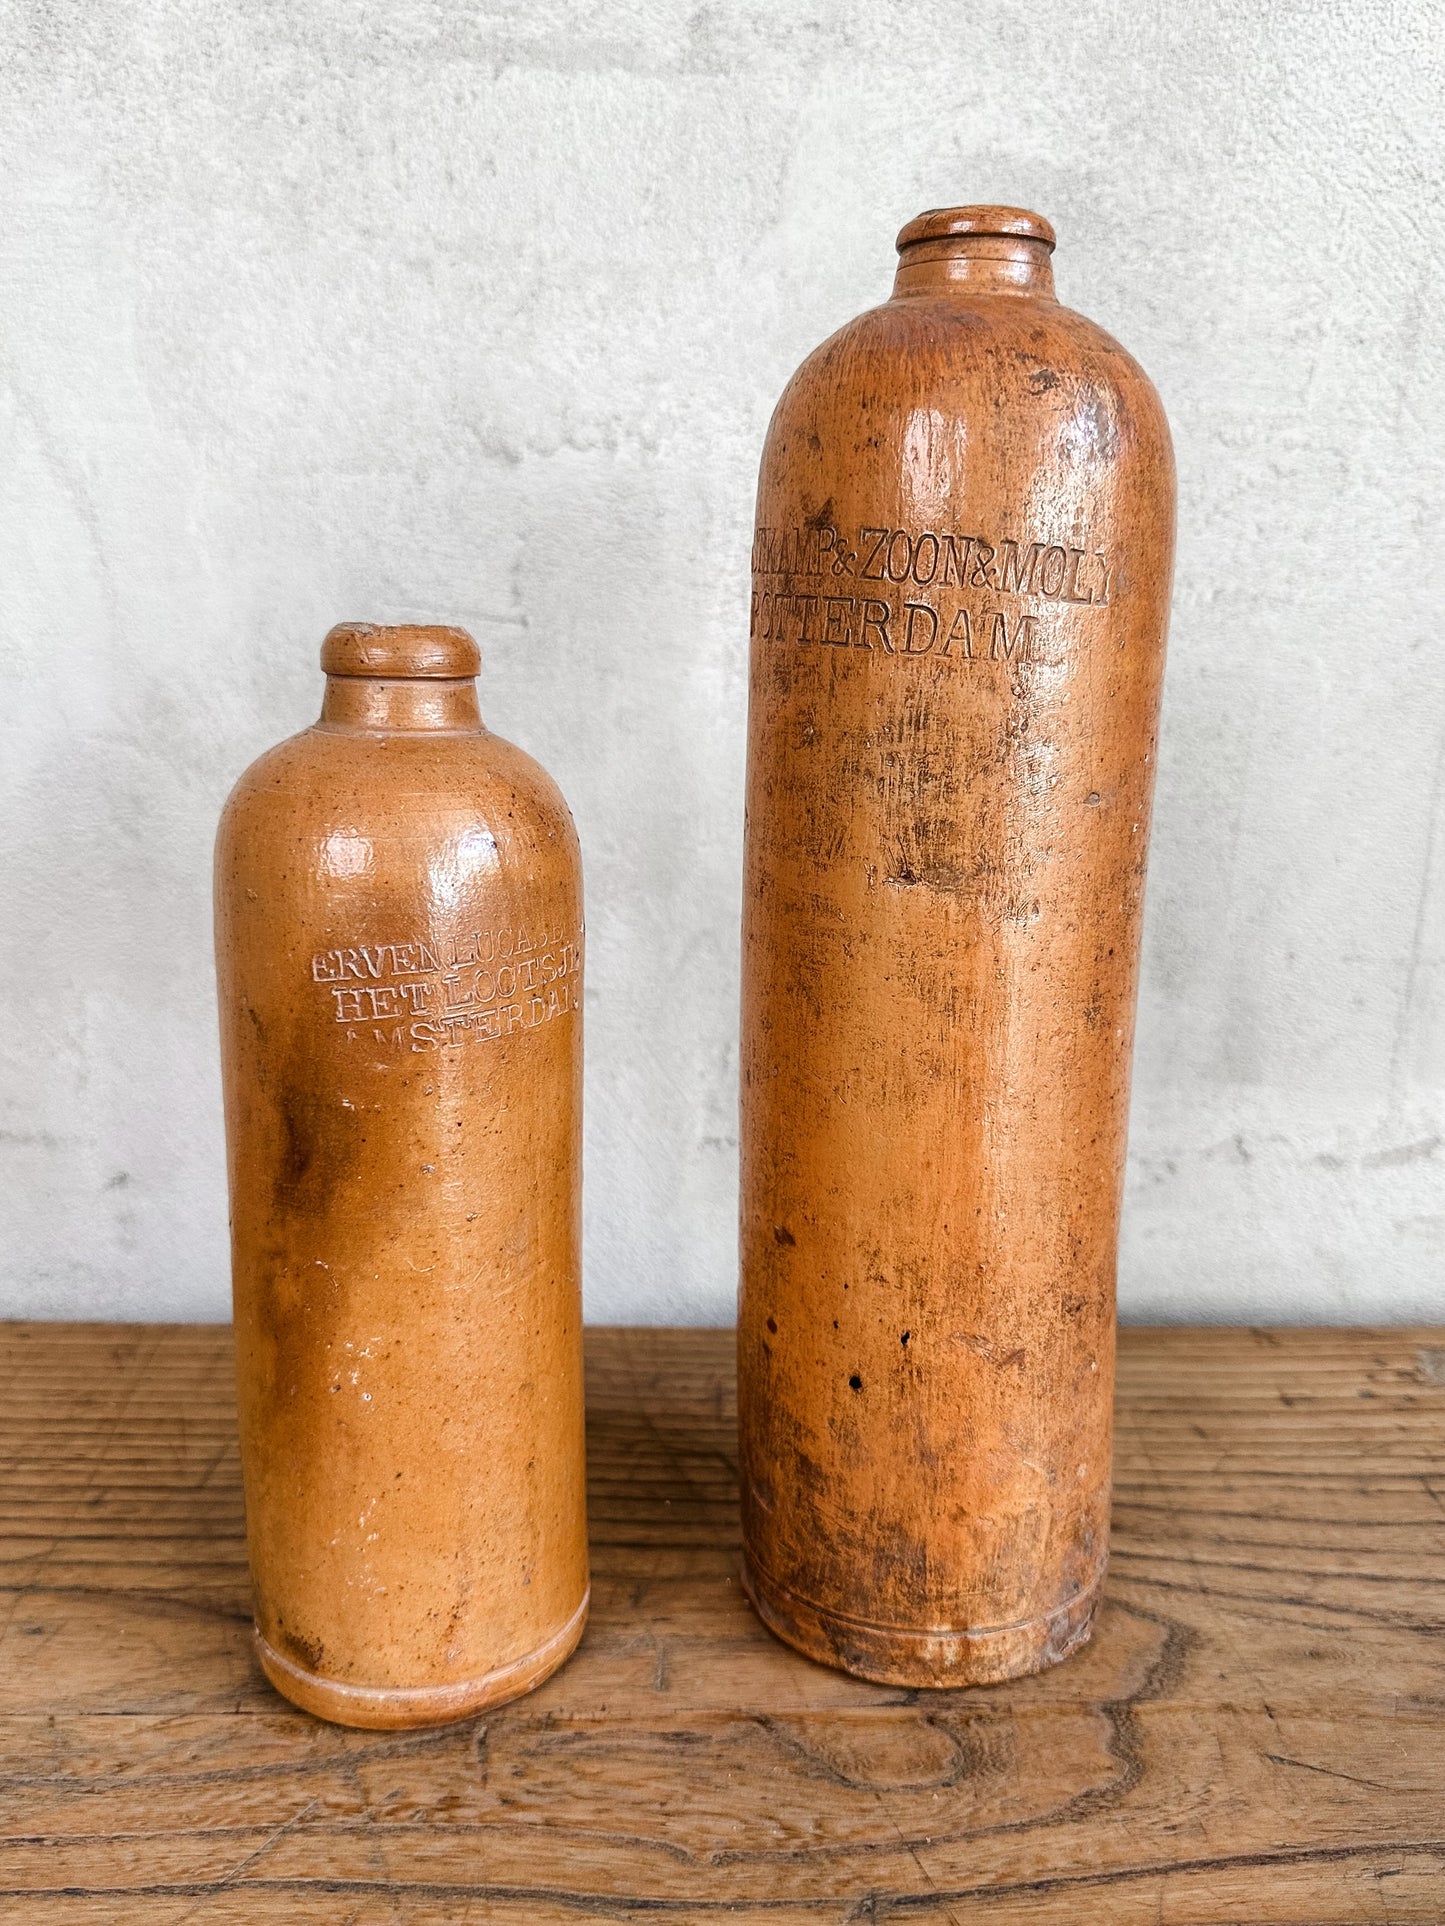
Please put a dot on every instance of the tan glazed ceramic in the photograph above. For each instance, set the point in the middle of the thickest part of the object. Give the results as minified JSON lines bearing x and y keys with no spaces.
{"x":961,"y":582}
{"x":399,"y":951}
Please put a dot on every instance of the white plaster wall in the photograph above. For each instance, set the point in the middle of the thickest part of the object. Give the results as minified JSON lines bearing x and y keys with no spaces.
{"x":404,"y":308}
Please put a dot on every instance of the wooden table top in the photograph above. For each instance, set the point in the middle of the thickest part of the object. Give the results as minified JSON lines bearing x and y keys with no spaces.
{"x":1256,"y":1733}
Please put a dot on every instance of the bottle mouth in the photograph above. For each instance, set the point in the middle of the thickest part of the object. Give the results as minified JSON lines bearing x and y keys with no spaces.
{"x":996,"y":223}
{"x":403,"y":652}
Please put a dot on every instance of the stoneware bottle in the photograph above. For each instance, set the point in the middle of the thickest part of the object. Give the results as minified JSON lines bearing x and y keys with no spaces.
{"x":399,"y":950}
{"x":961,"y":581}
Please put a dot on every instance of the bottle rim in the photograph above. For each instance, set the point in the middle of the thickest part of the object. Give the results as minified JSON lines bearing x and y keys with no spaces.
{"x":403,"y":650}
{"x":1003,"y":223}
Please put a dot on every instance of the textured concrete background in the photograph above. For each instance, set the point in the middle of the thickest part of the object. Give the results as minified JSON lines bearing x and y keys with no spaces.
{"x":400,"y":308}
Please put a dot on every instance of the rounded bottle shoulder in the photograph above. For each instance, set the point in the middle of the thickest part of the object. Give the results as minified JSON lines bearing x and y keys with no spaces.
{"x":956,"y":352}
{"x":368,"y":777}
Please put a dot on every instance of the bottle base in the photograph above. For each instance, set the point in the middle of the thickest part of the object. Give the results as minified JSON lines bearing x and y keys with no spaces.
{"x":392,"y":1708}
{"x":897,"y":1655}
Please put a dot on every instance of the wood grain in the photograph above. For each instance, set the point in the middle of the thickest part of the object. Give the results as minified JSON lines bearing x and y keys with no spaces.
{"x":1254,"y":1734}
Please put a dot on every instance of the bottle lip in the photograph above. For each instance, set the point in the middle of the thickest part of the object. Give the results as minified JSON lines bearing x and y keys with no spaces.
{"x":403,"y":650}
{"x":1009,"y":223}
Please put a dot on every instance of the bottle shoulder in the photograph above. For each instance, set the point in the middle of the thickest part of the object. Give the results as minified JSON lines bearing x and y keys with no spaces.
{"x":322,"y":778}
{"x":976,"y":355}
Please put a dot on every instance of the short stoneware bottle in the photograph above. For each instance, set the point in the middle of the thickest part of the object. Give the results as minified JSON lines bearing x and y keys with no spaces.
{"x":399,"y":954}
{"x":961,"y":581}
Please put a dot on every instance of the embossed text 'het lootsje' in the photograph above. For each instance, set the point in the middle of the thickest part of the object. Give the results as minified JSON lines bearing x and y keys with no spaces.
{"x":904,"y":616}
{"x":435,"y":990}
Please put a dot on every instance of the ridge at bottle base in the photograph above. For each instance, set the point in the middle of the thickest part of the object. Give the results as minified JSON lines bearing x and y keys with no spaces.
{"x":961,"y":576}
{"x":909,"y":1656}
{"x":399,"y":954}
{"x":400,"y":1707}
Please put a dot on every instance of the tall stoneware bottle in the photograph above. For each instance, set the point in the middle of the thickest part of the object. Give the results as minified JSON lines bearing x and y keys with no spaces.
{"x":399,"y":947}
{"x":961,"y":580}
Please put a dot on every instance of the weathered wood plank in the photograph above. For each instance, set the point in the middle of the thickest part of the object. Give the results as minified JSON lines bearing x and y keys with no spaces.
{"x":1257,"y":1732}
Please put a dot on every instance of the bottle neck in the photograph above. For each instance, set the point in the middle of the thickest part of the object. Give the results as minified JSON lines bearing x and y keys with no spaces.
{"x":977,"y":264}
{"x":387,"y":705}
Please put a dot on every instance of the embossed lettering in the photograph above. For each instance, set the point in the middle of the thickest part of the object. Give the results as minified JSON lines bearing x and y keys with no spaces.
{"x":1006,"y":564}
{"x":921,"y":630}
{"x":490,"y":999}
{"x":837,"y":628}
{"x":962,"y":631}
{"x":1003,"y":646}
{"x":955,"y":559}
{"x":927,"y":541}
{"x":875,"y":616}
{"x":1016,"y":575}
{"x":816,"y":549}
{"x":1071,"y":593}
{"x":1057,"y":561}
{"x":901,"y":620}
{"x":873,"y":540}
